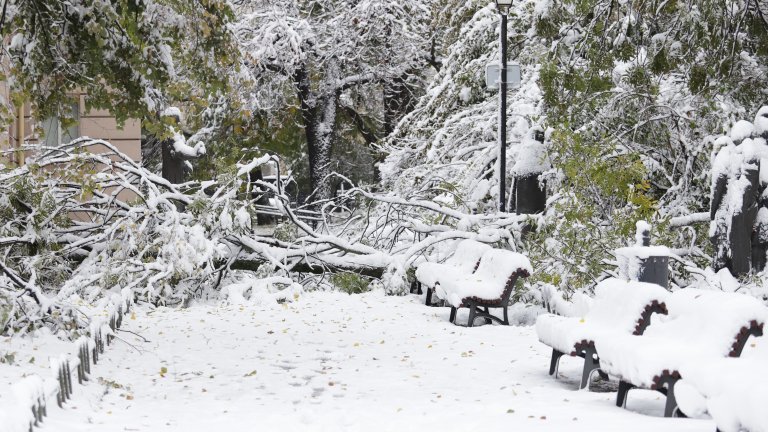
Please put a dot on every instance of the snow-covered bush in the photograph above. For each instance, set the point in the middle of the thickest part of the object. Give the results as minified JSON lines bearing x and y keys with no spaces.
{"x":84,"y":220}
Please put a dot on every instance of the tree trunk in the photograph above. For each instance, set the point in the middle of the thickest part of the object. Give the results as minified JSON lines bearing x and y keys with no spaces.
{"x":173,"y":166}
{"x":319,"y":117}
{"x":398,"y":101}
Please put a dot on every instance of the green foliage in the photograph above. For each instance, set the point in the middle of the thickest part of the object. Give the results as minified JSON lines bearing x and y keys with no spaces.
{"x":131,"y":57}
{"x":631,"y":91}
{"x":286,"y":232}
{"x":350,"y":283}
{"x":604,"y":193}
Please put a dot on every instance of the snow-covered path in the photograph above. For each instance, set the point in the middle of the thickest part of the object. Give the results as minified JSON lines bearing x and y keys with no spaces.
{"x":334,"y":362}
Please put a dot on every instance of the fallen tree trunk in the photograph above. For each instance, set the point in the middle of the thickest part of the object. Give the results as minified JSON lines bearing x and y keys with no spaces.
{"x":305,"y":267}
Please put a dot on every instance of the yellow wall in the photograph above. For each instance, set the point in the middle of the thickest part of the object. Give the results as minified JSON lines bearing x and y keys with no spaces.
{"x":97,"y":124}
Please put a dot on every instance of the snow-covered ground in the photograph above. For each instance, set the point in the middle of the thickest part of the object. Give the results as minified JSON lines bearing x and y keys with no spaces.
{"x":335,"y":362}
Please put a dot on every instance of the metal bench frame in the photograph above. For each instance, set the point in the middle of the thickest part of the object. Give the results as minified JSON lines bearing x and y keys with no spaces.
{"x":586,"y":348}
{"x":479,"y":307}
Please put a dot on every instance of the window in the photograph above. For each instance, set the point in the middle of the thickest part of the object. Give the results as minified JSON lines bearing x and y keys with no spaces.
{"x":54,"y":135}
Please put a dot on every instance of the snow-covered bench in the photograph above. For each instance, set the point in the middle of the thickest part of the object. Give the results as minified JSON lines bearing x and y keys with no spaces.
{"x":733,"y":391}
{"x":619,"y":306}
{"x":701,"y":325}
{"x":490,"y":286}
{"x":463,"y":262}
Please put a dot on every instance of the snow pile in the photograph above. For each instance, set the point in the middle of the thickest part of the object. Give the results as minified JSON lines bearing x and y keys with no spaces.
{"x":186,"y":151}
{"x":701,"y":324}
{"x":616,"y":308}
{"x":577,"y":305}
{"x":490,"y":279}
{"x":733,"y":391}
{"x":30,"y":364}
{"x":531,"y":157}
{"x":270,"y":290}
{"x":31,"y":391}
{"x":741,"y":130}
{"x":463,"y":262}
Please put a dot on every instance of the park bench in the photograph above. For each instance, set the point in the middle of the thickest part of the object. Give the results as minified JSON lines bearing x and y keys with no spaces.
{"x":701,"y":325}
{"x":464,"y":261}
{"x":490,"y":286}
{"x":619,"y":306}
{"x":733,"y":391}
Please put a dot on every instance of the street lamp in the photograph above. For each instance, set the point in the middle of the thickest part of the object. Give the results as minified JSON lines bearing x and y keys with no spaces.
{"x":503,"y":6}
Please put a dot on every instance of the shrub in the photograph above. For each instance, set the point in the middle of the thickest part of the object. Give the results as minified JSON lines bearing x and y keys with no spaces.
{"x":350,"y":283}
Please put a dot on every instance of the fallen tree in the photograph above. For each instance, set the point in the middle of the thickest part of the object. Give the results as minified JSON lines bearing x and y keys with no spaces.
{"x":84,"y":219}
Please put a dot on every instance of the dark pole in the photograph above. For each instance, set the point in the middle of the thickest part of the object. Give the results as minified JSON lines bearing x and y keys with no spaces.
{"x":503,"y":117}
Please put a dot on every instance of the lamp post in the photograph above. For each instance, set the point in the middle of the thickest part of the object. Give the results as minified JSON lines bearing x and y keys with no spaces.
{"x":503,"y":6}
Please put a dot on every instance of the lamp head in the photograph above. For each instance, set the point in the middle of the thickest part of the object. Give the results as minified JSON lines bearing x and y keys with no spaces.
{"x":503,"y":5}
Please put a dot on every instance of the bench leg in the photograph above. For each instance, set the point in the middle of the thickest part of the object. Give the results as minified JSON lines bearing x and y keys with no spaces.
{"x":429,"y":297}
{"x":452,"y":319}
{"x":506,"y":316}
{"x":671,"y":405}
{"x":554,"y":362}
{"x":590,"y":365}
{"x":472,"y":312}
{"x":621,"y":396}
{"x":415,"y":287}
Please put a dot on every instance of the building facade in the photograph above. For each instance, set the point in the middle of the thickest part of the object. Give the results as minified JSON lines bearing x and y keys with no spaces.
{"x":27,"y":131}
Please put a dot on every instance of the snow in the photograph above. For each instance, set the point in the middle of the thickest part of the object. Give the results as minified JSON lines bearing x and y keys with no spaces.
{"x":488,"y":282}
{"x":180,"y":146}
{"x":465,"y":94}
{"x":701,"y":324}
{"x":462,"y":262}
{"x":732,"y":391}
{"x":741,"y":130}
{"x":531,"y":158}
{"x":334,"y":362}
{"x":630,"y":259}
{"x":761,"y":122}
{"x":253,"y":164}
{"x":172,"y":111}
{"x":616,"y":308}
{"x":642,"y":227}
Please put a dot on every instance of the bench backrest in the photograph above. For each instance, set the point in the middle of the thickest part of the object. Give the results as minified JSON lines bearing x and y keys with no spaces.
{"x":467,"y":255}
{"x":717,"y":320}
{"x":626,"y":305}
{"x":497,"y":266}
